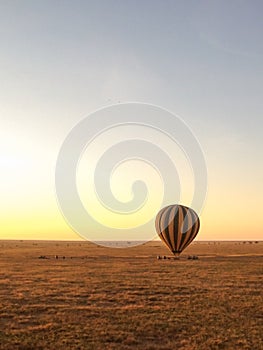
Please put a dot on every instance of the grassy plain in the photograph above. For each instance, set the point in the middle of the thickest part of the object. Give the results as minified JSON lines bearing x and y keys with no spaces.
{"x":102,"y":298}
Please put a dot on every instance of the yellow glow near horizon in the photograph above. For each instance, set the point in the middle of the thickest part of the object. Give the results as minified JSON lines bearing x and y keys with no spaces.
{"x":30,"y":211}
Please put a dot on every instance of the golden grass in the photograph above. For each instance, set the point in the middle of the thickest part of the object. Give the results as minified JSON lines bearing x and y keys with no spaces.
{"x":99,"y":298}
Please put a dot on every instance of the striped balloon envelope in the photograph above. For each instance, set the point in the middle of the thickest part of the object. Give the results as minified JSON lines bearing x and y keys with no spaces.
{"x":177,"y":226}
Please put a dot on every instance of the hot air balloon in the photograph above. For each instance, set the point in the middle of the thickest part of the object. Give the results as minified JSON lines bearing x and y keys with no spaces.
{"x":177,"y":226}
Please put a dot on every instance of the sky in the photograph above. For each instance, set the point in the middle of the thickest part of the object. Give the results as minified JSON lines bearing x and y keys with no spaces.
{"x":62,"y":60}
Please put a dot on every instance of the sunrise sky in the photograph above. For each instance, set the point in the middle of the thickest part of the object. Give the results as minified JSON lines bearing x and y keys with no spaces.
{"x":62,"y":60}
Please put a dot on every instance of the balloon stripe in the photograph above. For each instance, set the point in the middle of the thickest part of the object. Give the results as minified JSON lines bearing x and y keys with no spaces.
{"x":186,"y":226}
{"x":158,"y":224}
{"x":193,"y":230}
{"x":163,"y":226}
{"x":179,"y":228}
{"x":166,"y":227}
{"x":189,"y":226}
{"x":172,"y":226}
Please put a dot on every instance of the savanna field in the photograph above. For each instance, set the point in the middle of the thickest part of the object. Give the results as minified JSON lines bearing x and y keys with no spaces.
{"x":104,"y":298}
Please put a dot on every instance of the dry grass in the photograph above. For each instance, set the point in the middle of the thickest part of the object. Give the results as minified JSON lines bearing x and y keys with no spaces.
{"x":127,"y":299}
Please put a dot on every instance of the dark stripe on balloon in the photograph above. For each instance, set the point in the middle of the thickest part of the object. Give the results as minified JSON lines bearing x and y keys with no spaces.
{"x":172,"y":226}
{"x":193,"y":230}
{"x":165,"y":227}
{"x":158,"y":220}
{"x":158,"y":223}
{"x":180,"y":224}
{"x":185,"y":226}
{"x":162,"y":220}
